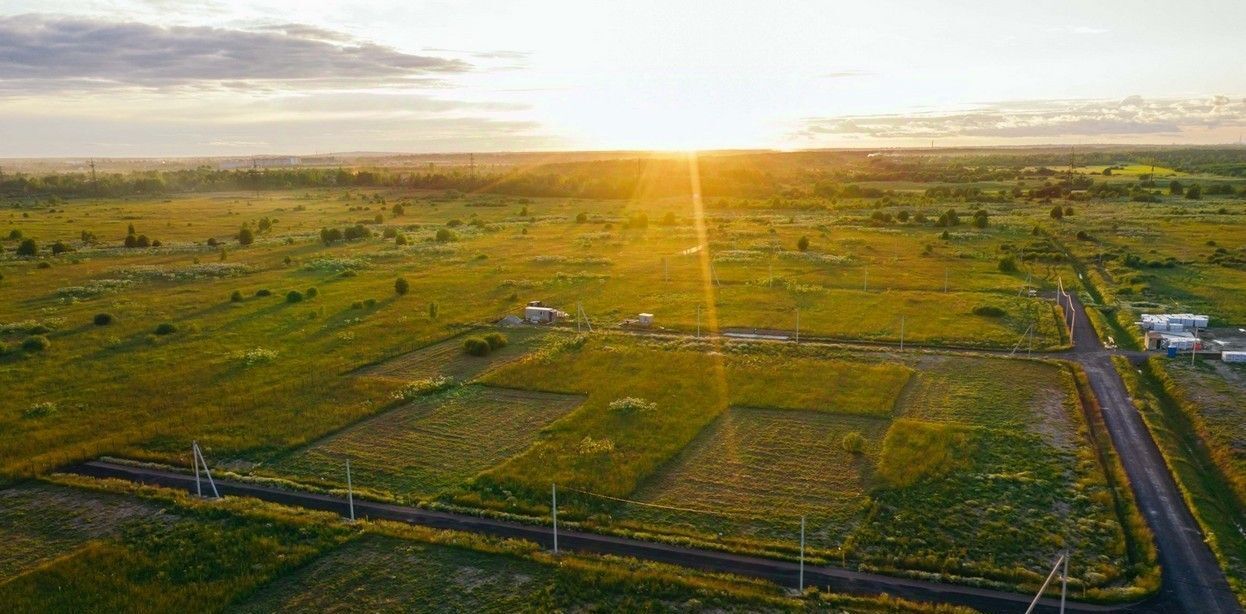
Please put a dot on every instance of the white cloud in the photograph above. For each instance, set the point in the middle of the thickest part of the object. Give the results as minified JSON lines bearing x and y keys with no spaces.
{"x":1051,"y":119}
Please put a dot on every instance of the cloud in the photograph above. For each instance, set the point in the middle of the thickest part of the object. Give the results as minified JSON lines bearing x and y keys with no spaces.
{"x":46,"y":53}
{"x":846,"y":74}
{"x":1082,"y":30}
{"x":1079,"y":118}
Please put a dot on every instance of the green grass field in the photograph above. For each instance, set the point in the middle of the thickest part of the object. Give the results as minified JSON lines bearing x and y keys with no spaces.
{"x":431,"y":444}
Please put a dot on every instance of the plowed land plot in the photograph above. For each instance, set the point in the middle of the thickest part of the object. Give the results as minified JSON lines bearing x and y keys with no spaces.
{"x":433,"y":443}
{"x":448,"y":359}
{"x":384,"y":574}
{"x":41,"y":522}
{"x":1007,"y":394}
{"x":762,"y":469}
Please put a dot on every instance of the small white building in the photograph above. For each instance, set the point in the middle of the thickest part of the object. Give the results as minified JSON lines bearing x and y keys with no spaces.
{"x":1172,"y":322}
{"x":542,"y":315}
{"x":645,"y":319}
{"x":1233,"y":356}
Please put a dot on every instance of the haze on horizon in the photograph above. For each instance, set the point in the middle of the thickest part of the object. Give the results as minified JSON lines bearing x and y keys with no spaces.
{"x":134,"y":78}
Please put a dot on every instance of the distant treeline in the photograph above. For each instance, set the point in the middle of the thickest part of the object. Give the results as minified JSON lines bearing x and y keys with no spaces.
{"x":828,"y":174}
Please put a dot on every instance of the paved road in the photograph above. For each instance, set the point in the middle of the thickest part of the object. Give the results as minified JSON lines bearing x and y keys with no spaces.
{"x":782,"y":572}
{"x":1192,"y":578}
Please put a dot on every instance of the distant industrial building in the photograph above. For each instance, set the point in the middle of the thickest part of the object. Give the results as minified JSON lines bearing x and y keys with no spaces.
{"x":1172,"y":322}
{"x":537,"y":313}
{"x":268,"y":162}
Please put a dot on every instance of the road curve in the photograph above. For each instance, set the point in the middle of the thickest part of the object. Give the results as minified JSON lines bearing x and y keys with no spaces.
{"x":1192,"y":580}
{"x":782,"y":572}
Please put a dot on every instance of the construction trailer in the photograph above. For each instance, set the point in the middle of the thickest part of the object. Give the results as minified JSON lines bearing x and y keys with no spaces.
{"x":1172,"y":322}
{"x":1161,"y":340}
{"x":537,"y":314}
{"x":1233,"y":356}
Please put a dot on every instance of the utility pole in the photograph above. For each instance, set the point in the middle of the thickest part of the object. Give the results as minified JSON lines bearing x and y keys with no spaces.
{"x":945,"y":280}
{"x":95,"y":186}
{"x":798,"y":325}
{"x":1064,"y":581}
{"x":901,"y":333}
{"x":802,"y":554}
{"x":698,"y":321}
{"x":866,"y":285}
{"x":350,"y":492}
{"x":553,"y":493}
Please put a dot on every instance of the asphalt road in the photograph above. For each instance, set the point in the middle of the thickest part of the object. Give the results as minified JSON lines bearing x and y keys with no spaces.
{"x":781,"y":572}
{"x":1192,"y":579}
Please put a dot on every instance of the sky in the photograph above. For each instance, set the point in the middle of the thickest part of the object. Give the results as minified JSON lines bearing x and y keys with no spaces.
{"x":134,"y":78}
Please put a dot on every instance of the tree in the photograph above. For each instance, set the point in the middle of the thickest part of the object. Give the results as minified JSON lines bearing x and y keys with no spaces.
{"x":397,"y":210}
{"x":980,"y":219}
{"x":60,"y":248}
{"x":444,"y":235}
{"x":581,"y":217}
{"x":402,"y":286}
{"x":1194,"y":192}
{"x":1175,"y":188}
{"x":803,"y":244}
{"x":245,"y":236}
{"x":28,"y":247}
{"x":1057,"y":213}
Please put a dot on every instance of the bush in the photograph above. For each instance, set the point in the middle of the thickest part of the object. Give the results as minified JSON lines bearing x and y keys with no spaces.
{"x":476,"y":346}
{"x":496,"y":341}
{"x":631,"y":405}
{"x":294,"y":296}
{"x":803,"y":244}
{"x":165,"y":328}
{"x":432,"y":311}
{"x":402,"y":286}
{"x":37,"y":343}
{"x":246,"y":236}
{"x":263,"y":292}
{"x":369,"y":303}
{"x":989,"y":311}
{"x":1008,"y":264}
{"x":102,"y":319}
{"x":44,"y":265}
{"x":444,"y":235}
{"x":236,"y":297}
{"x":311,"y":293}
{"x":28,"y":247}
{"x":852,"y":442}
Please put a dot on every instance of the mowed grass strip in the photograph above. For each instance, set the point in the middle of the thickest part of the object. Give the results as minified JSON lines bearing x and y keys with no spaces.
{"x":448,"y":359}
{"x":40,"y":522}
{"x":609,"y":452}
{"x":760,"y":470}
{"x":431,"y":444}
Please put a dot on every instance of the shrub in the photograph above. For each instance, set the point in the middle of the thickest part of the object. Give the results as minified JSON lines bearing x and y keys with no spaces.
{"x":294,"y":296}
{"x":38,"y":329}
{"x":402,"y":286}
{"x":28,"y":247}
{"x":803,"y":244}
{"x":246,"y":236}
{"x":432,"y":311}
{"x":369,"y":303}
{"x":236,"y":297}
{"x":423,"y":387}
{"x":632,"y":405}
{"x":39,"y":410}
{"x":581,"y":217}
{"x":356,"y":305}
{"x":476,"y":346}
{"x":165,"y":328}
{"x":311,"y":293}
{"x":400,"y":239}
{"x":496,"y":341}
{"x":59,"y":248}
{"x":989,"y":311}
{"x":852,"y":442}
{"x":263,"y":292}
{"x":256,"y":356}
{"x":44,"y":265}
{"x":444,"y":235}
{"x":1008,"y":264}
{"x":37,"y":343}
{"x":102,"y":319}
